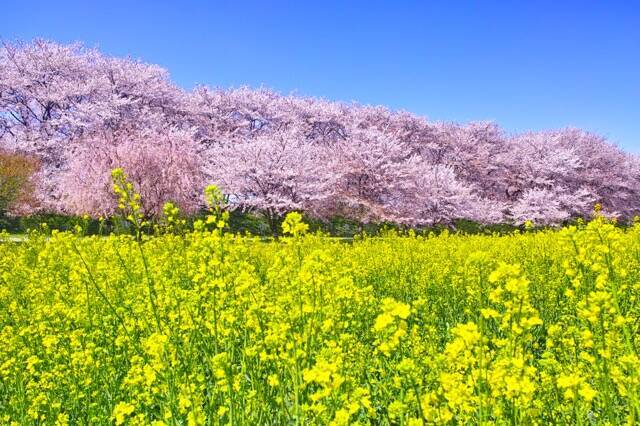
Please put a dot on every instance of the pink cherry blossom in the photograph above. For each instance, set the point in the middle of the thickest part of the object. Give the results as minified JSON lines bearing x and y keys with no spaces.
{"x":83,"y":113}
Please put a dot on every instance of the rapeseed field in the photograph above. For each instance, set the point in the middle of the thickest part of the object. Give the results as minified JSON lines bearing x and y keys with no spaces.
{"x":207,"y":327}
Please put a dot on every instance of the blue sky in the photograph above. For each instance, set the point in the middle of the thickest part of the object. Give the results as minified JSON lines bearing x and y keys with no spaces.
{"x":528,"y":65}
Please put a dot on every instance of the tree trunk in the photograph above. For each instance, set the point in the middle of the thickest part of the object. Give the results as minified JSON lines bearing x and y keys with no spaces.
{"x":273,"y":223}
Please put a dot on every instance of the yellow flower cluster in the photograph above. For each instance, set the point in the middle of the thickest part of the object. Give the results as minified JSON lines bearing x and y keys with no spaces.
{"x":205,"y":327}
{"x":128,"y":200}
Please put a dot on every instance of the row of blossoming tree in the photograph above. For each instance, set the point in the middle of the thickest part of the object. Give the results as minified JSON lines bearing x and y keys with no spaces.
{"x":82,"y":114}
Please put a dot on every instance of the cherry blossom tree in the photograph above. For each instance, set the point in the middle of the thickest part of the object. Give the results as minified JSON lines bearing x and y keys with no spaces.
{"x":371,"y":168}
{"x":573,"y":168}
{"x":53,"y":95}
{"x":81,"y":113}
{"x":163,"y":165}
{"x":440,"y":197}
{"x":273,"y":173}
{"x":540,"y":206}
{"x":235,"y":114}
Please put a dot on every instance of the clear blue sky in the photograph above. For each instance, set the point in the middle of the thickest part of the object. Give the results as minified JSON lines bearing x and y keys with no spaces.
{"x":527,"y":65}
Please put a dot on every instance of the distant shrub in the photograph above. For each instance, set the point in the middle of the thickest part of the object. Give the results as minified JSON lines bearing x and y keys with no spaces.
{"x":16,"y":181}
